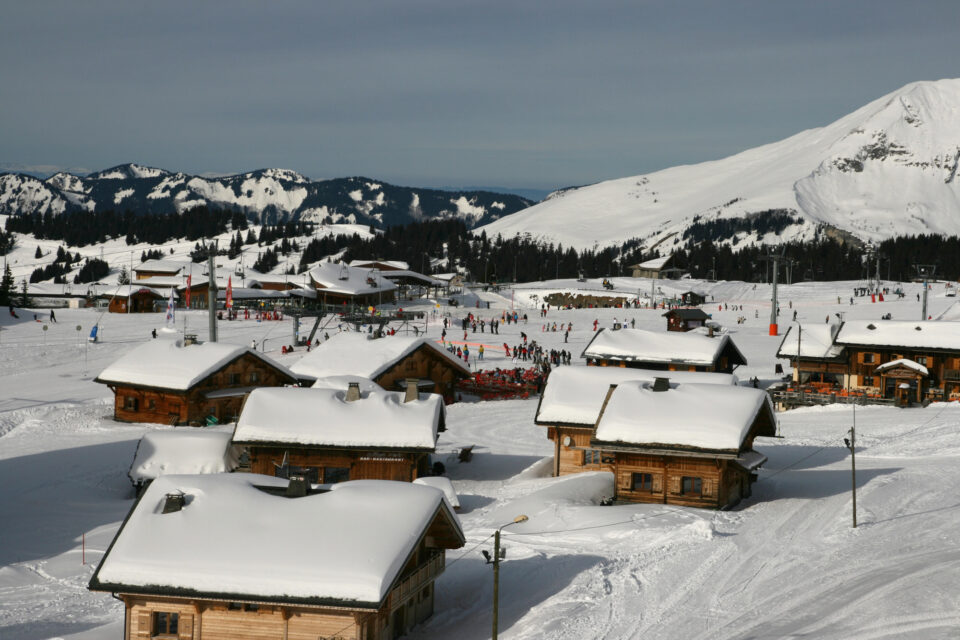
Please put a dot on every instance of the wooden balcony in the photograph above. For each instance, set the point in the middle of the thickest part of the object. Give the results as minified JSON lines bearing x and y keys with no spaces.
{"x":412,"y":584}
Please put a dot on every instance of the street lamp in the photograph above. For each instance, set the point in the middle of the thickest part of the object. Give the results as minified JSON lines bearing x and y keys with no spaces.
{"x":496,"y":570}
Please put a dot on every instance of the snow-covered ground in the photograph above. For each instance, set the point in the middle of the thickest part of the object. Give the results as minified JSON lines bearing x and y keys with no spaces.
{"x":785,"y":563}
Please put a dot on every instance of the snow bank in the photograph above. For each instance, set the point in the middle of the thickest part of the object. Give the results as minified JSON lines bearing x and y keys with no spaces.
{"x":344,"y":279}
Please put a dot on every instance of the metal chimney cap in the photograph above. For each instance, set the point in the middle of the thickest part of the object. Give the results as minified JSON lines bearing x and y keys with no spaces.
{"x":661,"y":384}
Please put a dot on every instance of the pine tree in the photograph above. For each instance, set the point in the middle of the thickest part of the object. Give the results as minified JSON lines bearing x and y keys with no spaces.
{"x":6,"y":286}
{"x":24,"y":300}
{"x":124,"y":277}
{"x":38,"y":254}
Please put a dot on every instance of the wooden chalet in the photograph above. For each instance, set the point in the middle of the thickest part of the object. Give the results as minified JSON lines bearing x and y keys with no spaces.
{"x":232,"y":556}
{"x":570,"y":405}
{"x":685,"y":319}
{"x":685,"y":444}
{"x":341,"y":284}
{"x":672,"y":351}
{"x":134,"y":299}
{"x":164,"y":382}
{"x":160,"y":268}
{"x":661,"y":267}
{"x":382,"y":265}
{"x":885,"y":359}
{"x":333,"y":435}
{"x":389,"y":361}
{"x":692,"y":298}
{"x":184,"y":451}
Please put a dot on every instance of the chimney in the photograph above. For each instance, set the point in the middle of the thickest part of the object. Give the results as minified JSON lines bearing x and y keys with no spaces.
{"x":298,"y":486}
{"x":661,"y":384}
{"x":710,"y":331}
{"x":353,"y":391}
{"x":413,"y":393}
{"x":173,"y":502}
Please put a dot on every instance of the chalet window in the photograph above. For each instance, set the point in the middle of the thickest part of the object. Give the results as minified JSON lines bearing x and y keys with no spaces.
{"x":130,"y":403}
{"x":868,"y":358}
{"x":311,"y":474}
{"x":234,"y":378}
{"x":254,"y":377}
{"x":691,"y":486}
{"x":868,"y":381}
{"x":151,"y":404}
{"x":165,"y":624}
{"x":642,"y":482}
{"x":332,"y":475}
{"x":236,"y":606}
{"x":922,"y":360}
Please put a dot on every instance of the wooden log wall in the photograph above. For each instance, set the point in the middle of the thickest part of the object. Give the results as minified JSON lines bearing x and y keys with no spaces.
{"x":574,"y":458}
{"x":718,"y":479}
{"x":363,"y":465}
{"x":425,"y":365}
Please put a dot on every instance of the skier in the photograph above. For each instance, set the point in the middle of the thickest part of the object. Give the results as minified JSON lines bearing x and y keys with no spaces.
{"x":480,"y":353}
{"x":53,"y":316}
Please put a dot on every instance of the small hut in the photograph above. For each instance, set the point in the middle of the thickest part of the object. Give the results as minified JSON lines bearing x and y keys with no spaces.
{"x":134,"y":299}
{"x":643,"y":349}
{"x":685,"y":444}
{"x":334,"y":435}
{"x":685,"y":319}
{"x":225,"y":556}
{"x":164,"y":382}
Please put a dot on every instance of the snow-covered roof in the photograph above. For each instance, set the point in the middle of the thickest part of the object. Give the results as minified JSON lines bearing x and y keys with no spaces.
{"x":574,"y":395}
{"x":444,"y":484}
{"x":905,"y":363}
{"x":162,"y":453}
{"x":346,"y":543}
{"x":351,"y":353}
{"x":324,"y":418}
{"x":347,"y":280}
{"x":165,"y":364}
{"x":245,"y":293}
{"x":124,"y":290}
{"x":160,"y":281}
{"x":342,"y":382}
{"x":816,"y":341}
{"x":655,"y":263}
{"x":400,"y":274}
{"x":394,"y":264}
{"x":162,"y":266}
{"x":900,"y":333}
{"x":640,"y":345}
{"x":700,"y":416}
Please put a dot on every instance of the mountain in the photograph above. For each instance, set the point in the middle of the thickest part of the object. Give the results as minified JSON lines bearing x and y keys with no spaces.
{"x":274,"y":194}
{"x":887,"y":169}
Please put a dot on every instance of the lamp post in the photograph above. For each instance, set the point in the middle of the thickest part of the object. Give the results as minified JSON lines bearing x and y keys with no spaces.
{"x":496,"y":571}
{"x":796,"y":364}
{"x":852,"y":445}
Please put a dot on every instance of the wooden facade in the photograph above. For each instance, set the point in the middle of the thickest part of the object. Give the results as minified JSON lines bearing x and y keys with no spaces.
{"x":373,"y":299}
{"x":424,"y":363}
{"x":685,"y":319}
{"x":576,"y":454}
{"x":330,"y":465}
{"x":143,"y":301}
{"x":723,"y":364}
{"x":220,"y":395}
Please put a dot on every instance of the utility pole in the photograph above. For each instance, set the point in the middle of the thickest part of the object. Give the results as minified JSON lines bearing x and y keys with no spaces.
{"x":852,"y":445}
{"x":775,"y":259}
{"x":212,"y":292}
{"x":496,"y":571}
{"x":925,"y":271}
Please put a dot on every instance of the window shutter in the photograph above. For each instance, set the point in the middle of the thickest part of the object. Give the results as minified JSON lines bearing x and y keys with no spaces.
{"x":675,"y":484}
{"x":708,"y":487}
{"x":657,"y":483}
{"x":625,"y":478}
{"x":186,"y":626}
{"x":143,"y":624}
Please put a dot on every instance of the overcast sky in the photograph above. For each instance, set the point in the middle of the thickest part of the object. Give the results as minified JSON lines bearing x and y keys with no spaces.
{"x":441,"y":92}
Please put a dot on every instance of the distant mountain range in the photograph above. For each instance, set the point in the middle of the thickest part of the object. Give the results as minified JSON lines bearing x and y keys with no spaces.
{"x":272,"y":194}
{"x":888,"y":169}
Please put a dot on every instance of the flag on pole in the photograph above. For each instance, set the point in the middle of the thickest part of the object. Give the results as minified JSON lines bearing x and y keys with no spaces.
{"x":229,"y":303}
{"x":187,"y":301}
{"x":172,"y":308}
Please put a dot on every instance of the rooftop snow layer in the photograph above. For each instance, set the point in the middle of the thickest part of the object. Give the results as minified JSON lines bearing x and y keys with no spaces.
{"x":574,"y":395}
{"x":233,"y":538}
{"x":702,"y":416}
{"x":816,"y":341}
{"x":444,"y":484}
{"x":162,"y":453}
{"x":163,"y":266}
{"x":899,"y":333}
{"x":395,"y":264}
{"x":355,"y":354}
{"x":654,"y":346}
{"x":165,"y":364}
{"x":903,"y":362}
{"x":344,"y":279}
{"x":324,"y":417}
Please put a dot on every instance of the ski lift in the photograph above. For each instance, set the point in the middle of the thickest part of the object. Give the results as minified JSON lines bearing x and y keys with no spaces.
{"x":344,"y":272}
{"x":372,"y":278}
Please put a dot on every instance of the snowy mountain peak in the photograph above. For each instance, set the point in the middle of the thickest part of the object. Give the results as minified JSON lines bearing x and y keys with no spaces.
{"x":67,"y":182}
{"x":887,"y":169}
{"x":283,"y":175}
{"x":127,"y":171}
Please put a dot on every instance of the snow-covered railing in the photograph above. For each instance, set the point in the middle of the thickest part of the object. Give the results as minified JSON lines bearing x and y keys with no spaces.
{"x":415,"y":581}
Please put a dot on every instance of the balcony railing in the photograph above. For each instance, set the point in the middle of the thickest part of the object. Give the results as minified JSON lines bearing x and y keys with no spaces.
{"x":415,"y":581}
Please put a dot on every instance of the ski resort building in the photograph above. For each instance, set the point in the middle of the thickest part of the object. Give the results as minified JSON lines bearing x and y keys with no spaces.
{"x":570,"y":406}
{"x":127,"y":298}
{"x":388,"y":361}
{"x":355,"y":560}
{"x":160,"y":268}
{"x":672,"y":351}
{"x":886,"y":360}
{"x":341,"y":284}
{"x":661,"y":267}
{"x":687,"y":444}
{"x":333,"y":435}
{"x":164,"y":382}
{"x":685,"y":319}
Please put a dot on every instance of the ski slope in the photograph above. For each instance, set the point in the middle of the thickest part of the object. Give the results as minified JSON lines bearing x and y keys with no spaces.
{"x":785,"y":563}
